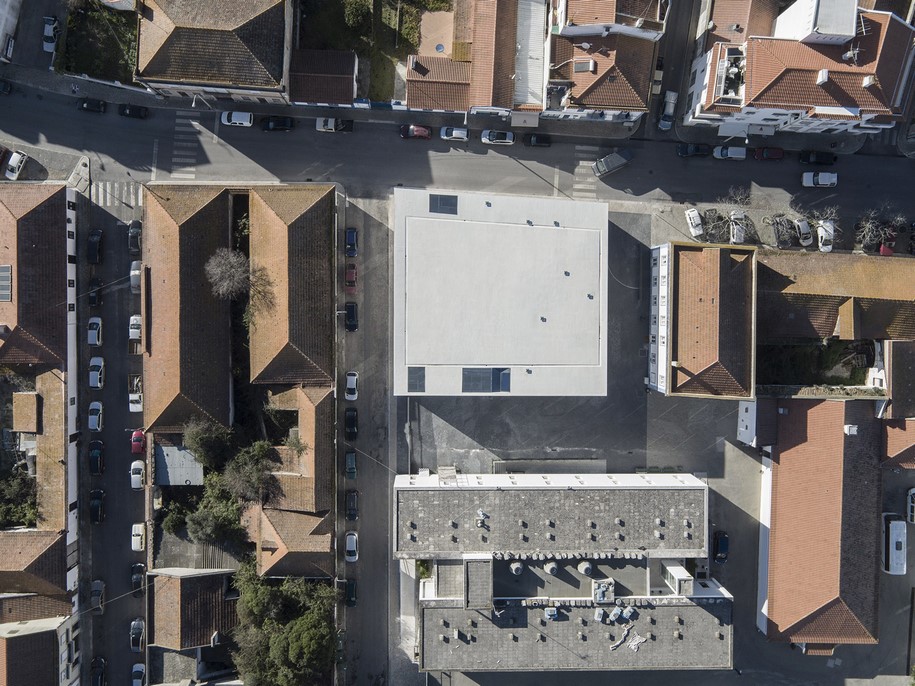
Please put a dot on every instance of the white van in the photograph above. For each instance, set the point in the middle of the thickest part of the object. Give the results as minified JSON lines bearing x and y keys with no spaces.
{"x":138,"y":537}
{"x":894,"y":543}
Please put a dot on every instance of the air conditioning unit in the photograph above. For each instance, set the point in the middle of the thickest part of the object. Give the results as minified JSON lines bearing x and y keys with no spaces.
{"x":582,"y":66}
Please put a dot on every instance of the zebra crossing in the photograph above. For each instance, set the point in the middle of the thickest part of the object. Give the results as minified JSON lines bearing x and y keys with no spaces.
{"x":584,"y":184}
{"x":116,"y":193}
{"x":186,"y":145}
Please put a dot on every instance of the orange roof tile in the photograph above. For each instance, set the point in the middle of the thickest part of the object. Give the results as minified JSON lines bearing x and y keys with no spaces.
{"x":899,"y":439}
{"x":752,"y":17}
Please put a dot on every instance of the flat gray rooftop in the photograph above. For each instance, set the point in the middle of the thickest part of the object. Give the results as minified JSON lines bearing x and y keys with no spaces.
{"x":520,"y":639}
{"x":659,"y":515}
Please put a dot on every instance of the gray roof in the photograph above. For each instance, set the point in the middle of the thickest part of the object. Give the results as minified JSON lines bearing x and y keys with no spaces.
{"x":596,"y":515}
{"x":520,"y":639}
{"x":176,"y":466}
{"x":900,"y":369}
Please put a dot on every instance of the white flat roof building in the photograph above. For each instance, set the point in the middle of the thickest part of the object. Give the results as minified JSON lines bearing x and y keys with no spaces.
{"x":499,"y":294}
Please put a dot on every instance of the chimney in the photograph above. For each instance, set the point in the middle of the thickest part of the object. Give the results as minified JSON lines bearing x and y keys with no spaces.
{"x":822,"y":76}
{"x":869,"y":81}
{"x":851,"y":429}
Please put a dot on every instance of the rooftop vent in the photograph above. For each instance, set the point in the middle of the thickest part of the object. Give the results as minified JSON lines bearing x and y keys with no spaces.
{"x":851,"y":429}
{"x":582,"y":66}
{"x":735,"y":27}
{"x":639,"y":23}
{"x":822,"y":76}
{"x":869,"y":81}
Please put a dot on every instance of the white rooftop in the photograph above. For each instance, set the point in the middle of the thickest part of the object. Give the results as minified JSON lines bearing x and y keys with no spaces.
{"x":499,"y":292}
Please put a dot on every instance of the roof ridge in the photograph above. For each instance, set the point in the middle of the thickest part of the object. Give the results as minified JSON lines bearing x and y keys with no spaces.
{"x":759,"y":91}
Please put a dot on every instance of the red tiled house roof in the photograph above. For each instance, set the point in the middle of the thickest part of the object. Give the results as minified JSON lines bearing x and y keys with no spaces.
{"x":322,"y":76}
{"x":30,"y":658}
{"x":899,"y":442}
{"x":824,"y":537}
{"x":189,"y":607}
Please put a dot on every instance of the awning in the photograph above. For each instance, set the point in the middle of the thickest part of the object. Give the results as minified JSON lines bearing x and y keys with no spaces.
{"x":729,"y":130}
{"x":761,"y":130}
{"x":529,"y":119}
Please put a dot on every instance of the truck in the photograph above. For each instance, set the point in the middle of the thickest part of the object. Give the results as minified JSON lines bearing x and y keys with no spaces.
{"x":135,"y":392}
{"x":135,"y":335}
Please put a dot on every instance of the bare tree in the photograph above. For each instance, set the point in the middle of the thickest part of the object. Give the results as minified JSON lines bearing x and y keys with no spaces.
{"x":872,"y":228}
{"x":228,"y":273}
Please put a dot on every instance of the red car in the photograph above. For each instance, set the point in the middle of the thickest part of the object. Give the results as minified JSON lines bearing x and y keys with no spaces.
{"x":413,"y":131}
{"x":349,"y":278}
{"x":769,"y":154}
{"x":137,"y":442}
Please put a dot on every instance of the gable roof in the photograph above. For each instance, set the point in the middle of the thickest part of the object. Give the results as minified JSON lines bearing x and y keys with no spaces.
{"x":291,"y":543}
{"x":899,"y":443}
{"x":33,"y":562}
{"x":783,"y":73}
{"x":326,"y":76}
{"x":189,"y":607}
{"x":824,"y":537}
{"x":621,"y":78}
{"x":232,"y":42}
{"x":29,"y":658}
{"x":23,"y":607}
{"x":751,"y":17}
{"x":712,"y":339}
{"x":589,"y":12}
{"x":292,"y":333}
{"x":186,"y":369}
{"x":33,"y":243}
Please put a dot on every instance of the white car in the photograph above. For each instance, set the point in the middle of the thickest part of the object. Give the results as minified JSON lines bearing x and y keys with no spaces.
{"x":804,"y":234}
{"x":237,"y":118}
{"x":351,"y":546}
{"x":137,"y":475}
{"x":493,"y":137}
{"x":138,"y":675}
{"x":352,"y":386}
{"x":826,"y":233}
{"x":449,"y":133}
{"x":729,"y":152}
{"x":94,"y":330}
{"x":819,"y":179}
{"x":138,"y":537}
{"x":96,"y":416}
{"x":738,"y":228}
{"x":51,"y":34}
{"x":694,"y":221}
{"x":97,"y":373}
{"x":15,"y":164}
{"x":135,"y":328}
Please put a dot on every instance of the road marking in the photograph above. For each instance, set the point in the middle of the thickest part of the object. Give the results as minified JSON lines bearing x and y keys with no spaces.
{"x":184,"y":160}
{"x":178,"y":175}
{"x":152,"y":174}
{"x":589,"y":148}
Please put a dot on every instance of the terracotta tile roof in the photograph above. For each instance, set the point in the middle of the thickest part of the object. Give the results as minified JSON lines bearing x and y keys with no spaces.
{"x":189,"y":608}
{"x":22,"y":607}
{"x":33,"y":562}
{"x":795,"y":315}
{"x":322,"y":76}
{"x":292,"y":339}
{"x":582,"y":12}
{"x":292,"y":543}
{"x":236,"y":43}
{"x":712,"y":325}
{"x":824,"y":540}
{"x":186,"y":371}
{"x":899,"y":440}
{"x":33,"y":242}
{"x":623,"y":73}
{"x":30,"y":658}
{"x":438,"y":83}
{"x":753,"y":17}
{"x":783,"y":73}
{"x":899,"y":357}
{"x":51,"y":453}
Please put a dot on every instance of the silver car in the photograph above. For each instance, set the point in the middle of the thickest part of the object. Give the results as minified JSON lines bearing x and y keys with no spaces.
{"x":450,"y":133}
{"x":97,"y":373}
{"x":96,"y":416}
{"x":94,"y":329}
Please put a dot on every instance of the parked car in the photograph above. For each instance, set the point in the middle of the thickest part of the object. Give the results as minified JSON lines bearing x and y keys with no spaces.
{"x":536,"y":140}
{"x":493,"y":137}
{"x":15,"y":165}
{"x":352,"y":505}
{"x":351,"y":546}
{"x":138,"y":537}
{"x":616,"y":160}
{"x":94,"y":331}
{"x":94,"y":294}
{"x":910,"y":505}
{"x":351,"y":316}
{"x":737,"y":225}
{"x":819,"y":179}
{"x":137,"y":442}
{"x":804,"y":234}
{"x":349,"y":278}
{"x":237,"y":119}
{"x":133,"y":111}
{"x":694,"y":222}
{"x":450,"y":133}
{"x":721,"y":545}
{"x":137,"y":579}
{"x":278,"y":124}
{"x":349,"y":461}
{"x":350,"y":593}
{"x":693,"y":150}
{"x":826,"y":233}
{"x":97,"y":597}
{"x":51,"y":34}
{"x":328,"y":125}
{"x":94,"y":246}
{"x":92,"y":105}
{"x":351,"y":423}
{"x":351,"y":242}
{"x":96,"y":416}
{"x":134,"y":237}
{"x":135,"y":273}
{"x":888,"y":244}
{"x":729,"y":152}
{"x":352,"y":386}
{"x":414,"y":131}
{"x":97,"y":373}
{"x":96,"y":458}
{"x":97,"y":670}
{"x":138,"y":674}
{"x":768,"y":154}
{"x":817,"y":157}
{"x":137,"y":631}
{"x":97,"y":506}
{"x":137,"y":475}
{"x":669,"y":106}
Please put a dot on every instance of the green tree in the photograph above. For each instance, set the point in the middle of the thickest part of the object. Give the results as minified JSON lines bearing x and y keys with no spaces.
{"x":217,"y":516}
{"x":247,"y":474}
{"x":211,"y":443}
